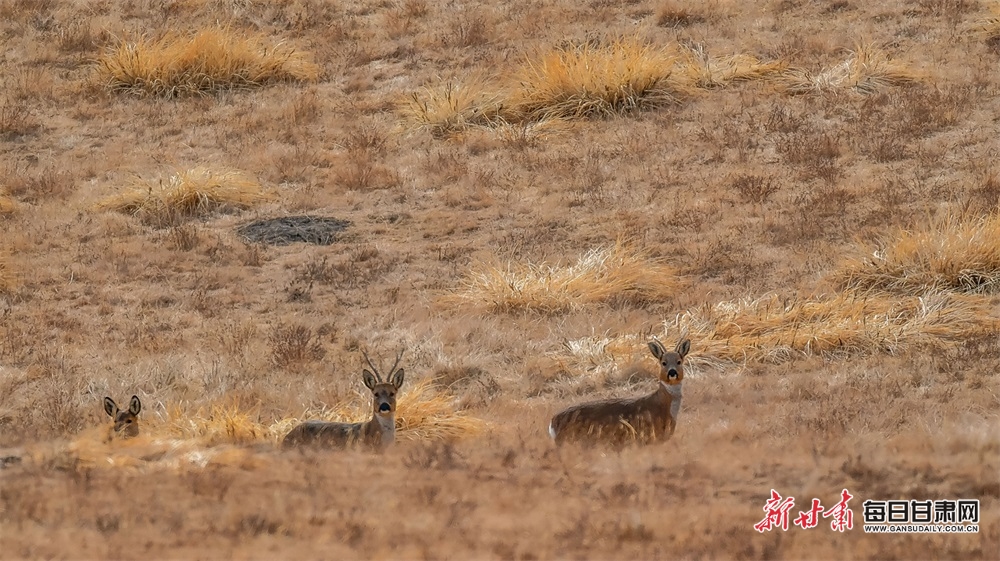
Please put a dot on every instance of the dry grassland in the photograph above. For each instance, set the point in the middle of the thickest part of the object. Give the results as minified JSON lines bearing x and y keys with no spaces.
{"x":531,"y":190}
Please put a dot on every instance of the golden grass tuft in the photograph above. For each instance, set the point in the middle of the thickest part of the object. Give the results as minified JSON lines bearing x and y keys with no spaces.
{"x":7,"y":205}
{"x":772,"y":329}
{"x":604,"y":79}
{"x":950,"y":254}
{"x":195,"y":192}
{"x":702,"y":70}
{"x":451,"y":106}
{"x":210,"y":60}
{"x":593,"y":79}
{"x":425,"y":412}
{"x":223,"y":423}
{"x":618,"y":274}
{"x":867,"y":69}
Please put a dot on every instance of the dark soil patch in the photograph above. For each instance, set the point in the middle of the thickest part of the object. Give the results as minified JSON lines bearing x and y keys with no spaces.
{"x":316,"y":230}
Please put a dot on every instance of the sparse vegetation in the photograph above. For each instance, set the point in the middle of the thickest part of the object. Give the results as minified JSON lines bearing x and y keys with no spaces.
{"x":447,"y":178}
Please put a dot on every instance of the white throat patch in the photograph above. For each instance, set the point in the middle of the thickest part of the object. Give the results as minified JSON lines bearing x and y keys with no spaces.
{"x":675,"y":392}
{"x":388,"y":424}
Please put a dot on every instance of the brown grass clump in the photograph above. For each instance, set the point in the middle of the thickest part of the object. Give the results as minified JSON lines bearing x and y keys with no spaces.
{"x":618,"y":274}
{"x":426,"y":413}
{"x":950,"y":254}
{"x":772,"y":329}
{"x":579,"y":81}
{"x":451,"y":106}
{"x":989,"y":27}
{"x":712,"y":71}
{"x":224,"y":423}
{"x":208,"y":61}
{"x":589,"y":80}
{"x":867,"y":69}
{"x":195,"y":192}
{"x":7,"y":205}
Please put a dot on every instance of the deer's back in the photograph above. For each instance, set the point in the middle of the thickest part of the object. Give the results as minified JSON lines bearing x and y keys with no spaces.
{"x":323,"y":434}
{"x":642,"y":419}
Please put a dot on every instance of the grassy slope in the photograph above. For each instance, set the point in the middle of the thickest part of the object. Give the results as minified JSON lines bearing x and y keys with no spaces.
{"x":735,"y":190}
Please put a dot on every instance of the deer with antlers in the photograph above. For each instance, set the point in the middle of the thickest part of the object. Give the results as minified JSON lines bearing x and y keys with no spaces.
{"x":643,"y":419}
{"x":377,"y":433}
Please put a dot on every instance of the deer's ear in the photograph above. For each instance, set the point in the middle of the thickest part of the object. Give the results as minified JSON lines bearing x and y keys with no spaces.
{"x":683,"y":347}
{"x":369,"y":379}
{"x":134,"y":406}
{"x":657,"y":349}
{"x":110,"y":407}
{"x":397,"y":378}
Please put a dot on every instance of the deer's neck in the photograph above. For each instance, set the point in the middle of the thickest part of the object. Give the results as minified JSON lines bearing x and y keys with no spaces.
{"x":384,"y":425}
{"x":674,"y":391}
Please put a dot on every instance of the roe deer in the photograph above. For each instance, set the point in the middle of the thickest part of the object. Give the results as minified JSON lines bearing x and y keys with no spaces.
{"x":641,"y":419}
{"x":126,"y":422}
{"x":378,"y":433}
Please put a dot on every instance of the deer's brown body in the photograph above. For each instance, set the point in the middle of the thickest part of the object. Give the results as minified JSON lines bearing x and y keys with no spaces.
{"x":377,"y":433}
{"x":643,"y":419}
{"x":371,"y":434}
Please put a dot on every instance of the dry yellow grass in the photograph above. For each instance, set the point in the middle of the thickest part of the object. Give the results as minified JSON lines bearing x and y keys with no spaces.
{"x":101,"y":309}
{"x":579,"y":81}
{"x":772,"y":329}
{"x":194,"y":192}
{"x":618,"y":274}
{"x":210,"y":60}
{"x":703,"y":70}
{"x":211,"y":436}
{"x":951,"y":253}
{"x":453,"y":106}
{"x":867,"y":69}
{"x":7,"y":205}
{"x":989,"y":27}
{"x":586,"y":80}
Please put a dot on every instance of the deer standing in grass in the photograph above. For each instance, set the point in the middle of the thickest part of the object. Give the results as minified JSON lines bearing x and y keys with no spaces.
{"x":377,"y":433}
{"x":126,"y":422}
{"x":641,"y":419}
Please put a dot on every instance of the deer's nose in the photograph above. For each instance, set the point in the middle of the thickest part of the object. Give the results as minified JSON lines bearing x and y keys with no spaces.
{"x":385,"y":408}
{"x":672,"y":373}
